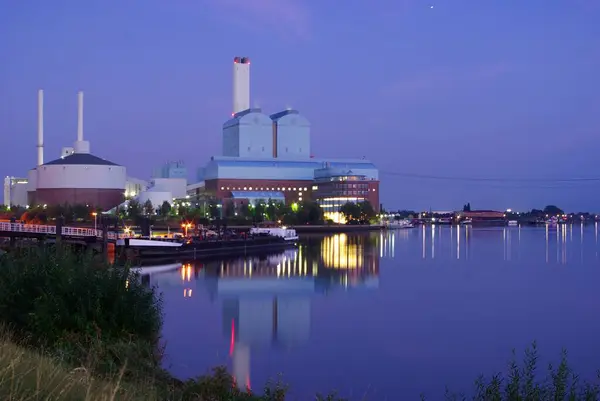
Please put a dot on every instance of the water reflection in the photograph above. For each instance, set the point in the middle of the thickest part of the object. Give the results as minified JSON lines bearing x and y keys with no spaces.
{"x":322,"y":302}
{"x":561,"y":243}
{"x":266,"y":300}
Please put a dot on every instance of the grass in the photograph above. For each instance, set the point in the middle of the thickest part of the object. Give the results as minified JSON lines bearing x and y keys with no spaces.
{"x":30,"y":375}
{"x":76,"y":329}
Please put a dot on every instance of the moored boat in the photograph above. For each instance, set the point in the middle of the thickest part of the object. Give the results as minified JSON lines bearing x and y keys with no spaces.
{"x":288,"y":234}
{"x":400,"y":224}
{"x":194,"y":247}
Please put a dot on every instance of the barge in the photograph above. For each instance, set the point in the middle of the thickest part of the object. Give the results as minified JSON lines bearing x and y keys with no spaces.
{"x":144,"y":248}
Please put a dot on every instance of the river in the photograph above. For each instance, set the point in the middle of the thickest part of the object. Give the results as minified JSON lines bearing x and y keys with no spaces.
{"x":385,"y":314}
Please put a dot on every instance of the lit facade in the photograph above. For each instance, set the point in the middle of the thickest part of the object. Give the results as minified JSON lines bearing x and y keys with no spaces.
{"x":135,"y":186}
{"x":292,"y":180}
{"x":334,"y":187}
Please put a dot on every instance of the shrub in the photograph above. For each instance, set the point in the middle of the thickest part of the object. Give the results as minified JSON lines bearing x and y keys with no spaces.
{"x":83,"y":312}
{"x":524,"y":382}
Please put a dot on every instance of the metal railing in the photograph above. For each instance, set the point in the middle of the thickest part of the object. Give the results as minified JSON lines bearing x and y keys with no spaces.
{"x":51,"y":230}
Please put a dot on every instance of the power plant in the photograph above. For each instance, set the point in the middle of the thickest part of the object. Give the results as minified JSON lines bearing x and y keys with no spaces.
{"x":263,"y":157}
{"x":75,"y":178}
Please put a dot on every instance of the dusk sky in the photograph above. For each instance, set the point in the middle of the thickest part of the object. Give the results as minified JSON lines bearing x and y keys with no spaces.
{"x":502,"y":89}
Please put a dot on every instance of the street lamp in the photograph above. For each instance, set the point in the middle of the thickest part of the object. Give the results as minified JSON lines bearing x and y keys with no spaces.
{"x":185,"y":227}
{"x":95,"y":220}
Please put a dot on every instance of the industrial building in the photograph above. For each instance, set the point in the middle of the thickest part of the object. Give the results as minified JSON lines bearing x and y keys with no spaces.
{"x":263,"y":157}
{"x":77,"y":177}
{"x":269,"y":157}
{"x":15,"y":191}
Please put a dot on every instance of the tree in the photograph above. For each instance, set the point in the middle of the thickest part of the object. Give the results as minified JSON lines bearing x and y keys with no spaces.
{"x":214,"y":209}
{"x":367,"y":211}
{"x":135,"y":209}
{"x":54,"y":211}
{"x":120,"y":212}
{"x":260,"y":209}
{"x":182,"y":209}
{"x":467,"y":207}
{"x":351,"y":211}
{"x":245,"y":210}
{"x":81,"y":212}
{"x":275,"y":210}
{"x":229,"y":207}
{"x":165,"y":209}
{"x":553,"y":210}
{"x":148,"y":208}
{"x":309,"y":213}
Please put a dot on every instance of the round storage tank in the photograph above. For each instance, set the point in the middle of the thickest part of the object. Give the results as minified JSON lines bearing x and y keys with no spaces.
{"x":81,"y":178}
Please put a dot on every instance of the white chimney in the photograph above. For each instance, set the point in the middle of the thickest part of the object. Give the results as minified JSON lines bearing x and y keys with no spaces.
{"x":81,"y":146}
{"x":80,"y":116}
{"x":40,"y":139}
{"x":241,"y":84}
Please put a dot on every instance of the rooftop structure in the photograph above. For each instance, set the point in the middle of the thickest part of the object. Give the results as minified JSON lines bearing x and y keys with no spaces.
{"x":291,"y":135}
{"x":248,"y":133}
{"x":173,"y":169}
{"x":223,"y":167}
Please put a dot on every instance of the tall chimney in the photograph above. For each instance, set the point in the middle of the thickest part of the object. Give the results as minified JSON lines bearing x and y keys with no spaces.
{"x":80,"y":116}
{"x":241,"y":84}
{"x":80,"y":146}
{"x":40,"y":139}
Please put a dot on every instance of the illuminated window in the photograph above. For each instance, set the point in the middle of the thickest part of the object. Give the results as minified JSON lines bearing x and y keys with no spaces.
{"x":315,"y":187}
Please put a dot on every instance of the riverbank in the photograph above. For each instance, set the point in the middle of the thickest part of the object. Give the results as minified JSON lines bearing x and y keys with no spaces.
{"x":30,"y":375}
{"x":80,"y":331}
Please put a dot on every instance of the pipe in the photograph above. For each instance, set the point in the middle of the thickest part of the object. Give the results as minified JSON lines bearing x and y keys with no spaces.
{"x":40,"y":141}
{"x":80,"y":116}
